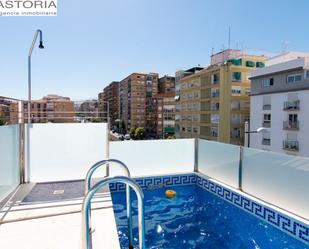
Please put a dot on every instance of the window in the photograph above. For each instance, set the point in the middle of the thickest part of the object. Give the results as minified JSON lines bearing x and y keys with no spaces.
{"x":236,"y":76}
{"x":268,"y":82}
{"x":266,"y":138}
{"x":214,"y":78}
{"x":267,"y":102}
{"x":236,"y":91}
{"x":267,"y":120}
{"x":293,"y":78}
{"x":195,"y":129}
{"x":307,"y":74}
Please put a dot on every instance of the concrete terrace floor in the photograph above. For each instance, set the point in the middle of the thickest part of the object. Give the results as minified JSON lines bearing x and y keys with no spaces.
{"x":37,"y":217}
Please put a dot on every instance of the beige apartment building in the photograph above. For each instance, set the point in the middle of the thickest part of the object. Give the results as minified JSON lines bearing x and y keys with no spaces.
{"x":135,"y":94}
{"x":214,"y":102}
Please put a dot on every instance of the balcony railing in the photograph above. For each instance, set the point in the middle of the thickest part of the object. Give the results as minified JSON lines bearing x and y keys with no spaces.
{"x":215,"y":94}
{"x":267,"y":107}
{"x":291,"y":105}
{"x":266,"y":141}
{"x":266,"y":124}
{"x":291,"y":145}
{"x":288,"y":125}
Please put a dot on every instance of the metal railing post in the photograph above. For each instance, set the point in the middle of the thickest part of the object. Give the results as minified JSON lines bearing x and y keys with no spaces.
{"x":240,"y":169}
{"x":196,"y":154}
{"x":21,"y":125}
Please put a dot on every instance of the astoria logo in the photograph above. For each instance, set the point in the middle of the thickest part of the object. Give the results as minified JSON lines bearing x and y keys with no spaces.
{"x":28,"y":7}
{"x":9,"y":4}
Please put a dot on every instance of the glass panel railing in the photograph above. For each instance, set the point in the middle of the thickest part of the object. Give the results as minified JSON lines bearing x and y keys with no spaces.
{"x":9,"y":159}
{"x":59,"y":152}
{"x":219,"y":161}
{"x":280,"y":179}
{"x":155,"y":157}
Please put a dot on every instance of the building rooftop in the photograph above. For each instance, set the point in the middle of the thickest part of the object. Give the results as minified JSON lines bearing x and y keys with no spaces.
{"x":41,"y":202}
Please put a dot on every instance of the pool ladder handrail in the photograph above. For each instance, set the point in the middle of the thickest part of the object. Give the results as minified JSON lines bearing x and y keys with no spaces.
{"x":126,"y":170}
{"x":86,"y":209}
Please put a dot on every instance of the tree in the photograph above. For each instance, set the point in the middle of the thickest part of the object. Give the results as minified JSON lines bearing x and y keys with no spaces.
{"x":132,"y":132}
{"x":2,"y":119}
{"x":139,"y":133}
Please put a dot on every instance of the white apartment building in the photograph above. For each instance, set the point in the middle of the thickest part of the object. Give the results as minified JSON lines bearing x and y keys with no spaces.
{"x":280,"y":103}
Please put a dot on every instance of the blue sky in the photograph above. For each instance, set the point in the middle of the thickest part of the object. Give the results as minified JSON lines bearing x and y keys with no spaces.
{"x":91,"y":43}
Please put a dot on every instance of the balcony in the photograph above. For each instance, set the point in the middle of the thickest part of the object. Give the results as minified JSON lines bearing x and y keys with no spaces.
{"x":207,"y":176}
{"x":215,"y":94}
{"x":266,"y":123}
{"x":267,"y":107}
{"x":291,"y":145}
{"x":291,"y":105}
{"x":288,"y":125}
{"x":266,"y":141}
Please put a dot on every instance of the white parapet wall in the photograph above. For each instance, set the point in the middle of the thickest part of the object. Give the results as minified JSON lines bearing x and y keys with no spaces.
{"x":219,"y":161}
{"x":57,"y":152}
{"x":279,"y":179}
{"x":155,"y":157}
{"x":9,"y":159}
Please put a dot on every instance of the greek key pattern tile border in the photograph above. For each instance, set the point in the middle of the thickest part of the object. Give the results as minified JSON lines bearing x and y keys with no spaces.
{"x":271,"y":216}
{"x":158,"y":181}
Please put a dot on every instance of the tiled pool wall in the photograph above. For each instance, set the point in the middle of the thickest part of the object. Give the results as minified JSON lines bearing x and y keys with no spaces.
{"x":279,"y":220}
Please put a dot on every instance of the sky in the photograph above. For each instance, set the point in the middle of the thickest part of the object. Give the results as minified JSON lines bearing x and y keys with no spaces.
{"x":91,"y":43}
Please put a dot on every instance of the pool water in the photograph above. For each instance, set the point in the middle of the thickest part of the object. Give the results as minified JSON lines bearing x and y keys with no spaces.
{"x":196,"y":218}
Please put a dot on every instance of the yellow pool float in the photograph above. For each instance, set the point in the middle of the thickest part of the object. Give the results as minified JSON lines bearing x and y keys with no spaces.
{"x":170,"y":194}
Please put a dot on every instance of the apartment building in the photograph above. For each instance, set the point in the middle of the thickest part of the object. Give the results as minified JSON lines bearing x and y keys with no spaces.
{"x":178,"y":76}
{"x":51,"y":108}
{"x":280,"y":103}
{"x":87,"y":110}
{"x":165,"y":114}
{"x":166,"y":84}
{"x":110,"y":94}
{"x":4,"y":111}
{"x":135,"y":97}
{"x":215,"y":102}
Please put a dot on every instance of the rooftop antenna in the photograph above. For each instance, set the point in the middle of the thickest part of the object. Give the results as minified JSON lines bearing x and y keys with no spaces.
{"x":212,"y":51}
{"x":229,"y":40}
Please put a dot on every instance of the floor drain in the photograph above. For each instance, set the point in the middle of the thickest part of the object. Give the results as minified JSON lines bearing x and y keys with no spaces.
{"x":58,"y":192}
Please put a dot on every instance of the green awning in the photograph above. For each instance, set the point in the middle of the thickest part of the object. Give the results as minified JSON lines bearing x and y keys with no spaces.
{"x":260,"y":64}
{"x":169,"y":130}
{"x":250,"y":63}
{"x":236,"y":62}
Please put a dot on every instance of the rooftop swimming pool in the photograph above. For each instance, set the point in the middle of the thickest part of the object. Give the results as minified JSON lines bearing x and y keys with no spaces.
{"x":196,"y":218}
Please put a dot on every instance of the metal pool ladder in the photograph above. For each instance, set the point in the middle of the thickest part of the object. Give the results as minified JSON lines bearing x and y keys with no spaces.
{"x":126,"y":170}
{"x":90,"y":192}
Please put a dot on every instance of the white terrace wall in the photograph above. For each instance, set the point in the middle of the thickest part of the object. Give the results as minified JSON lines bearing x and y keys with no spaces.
{"x":279,"y":179}
{"x":219,"y":161}
{"x":57,"y":152}
{"x":9,"y":159}
{"x":155,"y":157}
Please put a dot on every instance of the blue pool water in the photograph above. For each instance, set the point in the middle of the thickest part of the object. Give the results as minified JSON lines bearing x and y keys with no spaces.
{"x":196,"y":218}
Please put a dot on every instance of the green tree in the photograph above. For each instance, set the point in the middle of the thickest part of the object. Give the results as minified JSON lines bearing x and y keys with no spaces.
{"x":132,"y":132}
{"x":139,"y":133}
{"x":2,"y":119}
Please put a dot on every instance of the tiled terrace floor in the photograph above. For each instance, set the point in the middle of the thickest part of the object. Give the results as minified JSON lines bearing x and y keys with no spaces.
{"x":36,"y":218}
